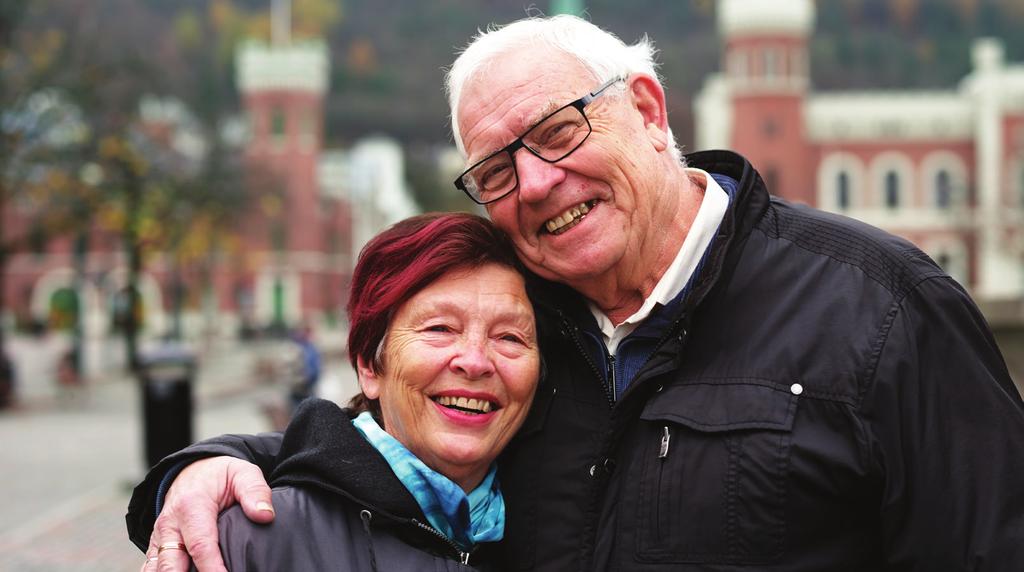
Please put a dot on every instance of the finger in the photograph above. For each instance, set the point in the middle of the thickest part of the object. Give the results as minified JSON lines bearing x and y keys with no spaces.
{"x":151,"y":551}
{"x":250,"y":488}
{"x":172,"y":561}
{"x":199,"y":533}
{"x":169,"y":556}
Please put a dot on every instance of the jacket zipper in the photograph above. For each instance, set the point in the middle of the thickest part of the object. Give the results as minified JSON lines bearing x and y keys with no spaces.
{"x":572,"y":330}
{"x":463,"y":556}
{"x":608,"y":445}
{"x":611,"y":374}
{"x":662,"y":455}
{"x":672,"y":332}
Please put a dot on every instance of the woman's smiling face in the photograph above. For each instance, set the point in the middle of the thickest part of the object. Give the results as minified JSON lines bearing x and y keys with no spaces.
{"x":459,"y":369}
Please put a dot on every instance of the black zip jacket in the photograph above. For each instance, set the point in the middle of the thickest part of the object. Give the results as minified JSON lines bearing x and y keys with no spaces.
{"x":826,"y":399}
{"x":338,"y":507}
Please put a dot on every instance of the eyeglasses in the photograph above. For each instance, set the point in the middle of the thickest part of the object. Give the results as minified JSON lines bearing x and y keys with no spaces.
{"x":551,"y":139}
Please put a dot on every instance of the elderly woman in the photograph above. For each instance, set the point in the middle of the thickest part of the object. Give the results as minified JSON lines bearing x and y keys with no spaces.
{"x":445,"y":346}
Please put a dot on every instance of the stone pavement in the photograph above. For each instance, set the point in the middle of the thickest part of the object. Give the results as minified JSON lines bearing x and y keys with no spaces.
{"x":68,"y":465}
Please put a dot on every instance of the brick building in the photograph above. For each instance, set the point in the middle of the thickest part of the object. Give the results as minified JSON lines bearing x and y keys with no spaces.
{"x":294,"y":259}
{"x":944,"y":168}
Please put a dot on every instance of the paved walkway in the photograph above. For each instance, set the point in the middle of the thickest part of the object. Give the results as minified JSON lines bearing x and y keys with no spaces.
{"x":68,"y":465}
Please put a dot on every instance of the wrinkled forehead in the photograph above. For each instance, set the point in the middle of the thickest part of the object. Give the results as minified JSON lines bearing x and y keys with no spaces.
{"x":514,"y":90}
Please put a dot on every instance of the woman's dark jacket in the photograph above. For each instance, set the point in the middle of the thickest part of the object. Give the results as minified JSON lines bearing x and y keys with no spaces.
{"x":338,"y":507}
{"x":824,"y":398}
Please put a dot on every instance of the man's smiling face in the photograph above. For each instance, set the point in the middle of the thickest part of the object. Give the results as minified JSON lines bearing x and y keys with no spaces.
{"x":575,"y":220}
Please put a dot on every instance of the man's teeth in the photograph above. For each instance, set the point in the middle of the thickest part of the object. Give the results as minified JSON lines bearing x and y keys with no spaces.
{"x":568,"y":219}
{"x":467,"y":404}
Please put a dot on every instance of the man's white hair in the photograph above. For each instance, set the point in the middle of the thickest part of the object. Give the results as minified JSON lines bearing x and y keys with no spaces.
{"x":601,"y":52}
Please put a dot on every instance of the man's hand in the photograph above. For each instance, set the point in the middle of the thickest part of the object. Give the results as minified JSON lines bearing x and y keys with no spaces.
{"x":189,"y":515}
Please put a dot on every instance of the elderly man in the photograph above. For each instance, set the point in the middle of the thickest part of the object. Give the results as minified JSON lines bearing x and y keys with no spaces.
{"x":733,"y":382}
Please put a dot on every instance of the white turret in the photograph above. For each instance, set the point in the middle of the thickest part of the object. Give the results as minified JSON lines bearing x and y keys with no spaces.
{"x":765,"y":16}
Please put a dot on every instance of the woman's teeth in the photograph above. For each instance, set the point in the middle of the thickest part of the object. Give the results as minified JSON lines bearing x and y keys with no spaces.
{"x":568,"y":219}
{"x":467,"y":404}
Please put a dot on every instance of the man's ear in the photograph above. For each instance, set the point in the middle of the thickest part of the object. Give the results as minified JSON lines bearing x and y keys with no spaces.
{"x":369,"y":381}
{"x":649,"y":100}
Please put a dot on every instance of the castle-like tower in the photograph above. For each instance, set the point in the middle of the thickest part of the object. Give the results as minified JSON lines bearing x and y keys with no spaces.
{"x":942,"y":168}
{"x":297,"y":254}
{"x":765,"y":60}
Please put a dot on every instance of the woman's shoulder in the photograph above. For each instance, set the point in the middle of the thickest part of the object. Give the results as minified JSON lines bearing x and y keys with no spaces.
{"x":317,"y":530}
{"x":294,"y":509}
{"x":307,"y":533}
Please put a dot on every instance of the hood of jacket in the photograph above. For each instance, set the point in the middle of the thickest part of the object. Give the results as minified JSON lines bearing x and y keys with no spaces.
{"x":322,"y":449}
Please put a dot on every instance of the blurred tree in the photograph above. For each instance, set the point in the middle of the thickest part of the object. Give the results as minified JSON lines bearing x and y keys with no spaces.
{"x":314,"y":18}
{"x":41,"y":137}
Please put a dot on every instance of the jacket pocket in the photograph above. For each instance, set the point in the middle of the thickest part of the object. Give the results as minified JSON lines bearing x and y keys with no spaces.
{"x":714,"y":457}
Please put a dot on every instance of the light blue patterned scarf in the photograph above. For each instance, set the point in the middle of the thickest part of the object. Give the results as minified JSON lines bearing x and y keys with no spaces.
{"x":465,"y":519}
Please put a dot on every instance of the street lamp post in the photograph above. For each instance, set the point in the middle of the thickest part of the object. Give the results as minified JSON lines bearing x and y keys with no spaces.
{"x":91,"y":176}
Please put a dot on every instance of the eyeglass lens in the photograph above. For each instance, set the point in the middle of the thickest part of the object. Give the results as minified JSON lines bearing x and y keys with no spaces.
{"x":552,"y":139}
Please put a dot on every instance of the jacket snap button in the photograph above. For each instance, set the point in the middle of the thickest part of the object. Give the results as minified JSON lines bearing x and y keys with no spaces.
{"x":796,"y":389}
{"x":660,"y":387}
{"x":593,"y":470}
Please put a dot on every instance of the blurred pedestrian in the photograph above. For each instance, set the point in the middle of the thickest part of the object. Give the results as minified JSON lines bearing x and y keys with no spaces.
{"x":69,"y":379}
{"x":308,"y":366}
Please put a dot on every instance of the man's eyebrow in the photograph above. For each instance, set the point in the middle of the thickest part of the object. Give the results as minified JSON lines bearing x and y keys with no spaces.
{"x":548,"y":109}
{"x":528,"y":122}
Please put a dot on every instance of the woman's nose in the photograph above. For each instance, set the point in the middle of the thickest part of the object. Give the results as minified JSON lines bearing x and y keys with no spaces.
{"x":473,"y":360}
{"x":536,"y":176}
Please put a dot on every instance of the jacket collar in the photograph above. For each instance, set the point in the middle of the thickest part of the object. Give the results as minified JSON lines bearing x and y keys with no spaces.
{"x":322,"y":449}
{"x":745,"y":209}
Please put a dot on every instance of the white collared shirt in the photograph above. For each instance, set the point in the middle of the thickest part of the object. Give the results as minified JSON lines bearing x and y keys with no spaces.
{"x":705,"y":225}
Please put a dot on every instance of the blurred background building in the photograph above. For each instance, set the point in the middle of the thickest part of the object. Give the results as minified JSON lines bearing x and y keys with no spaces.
{"x":297,"y":224}
{"x":943,"y":168}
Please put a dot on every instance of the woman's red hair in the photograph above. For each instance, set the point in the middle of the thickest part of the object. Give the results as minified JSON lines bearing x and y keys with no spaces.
{"x":406,"y":258}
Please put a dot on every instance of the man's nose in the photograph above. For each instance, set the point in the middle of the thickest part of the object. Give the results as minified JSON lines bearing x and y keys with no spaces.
{"x":472,"y":359}
{"x":537,"y":177}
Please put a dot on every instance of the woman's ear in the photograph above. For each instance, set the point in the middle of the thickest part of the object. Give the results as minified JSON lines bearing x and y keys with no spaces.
{"x":649,"y":100}
{"x":369,"y":380}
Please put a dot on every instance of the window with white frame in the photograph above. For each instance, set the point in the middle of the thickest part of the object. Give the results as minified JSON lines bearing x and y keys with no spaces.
{"x":892,"y":189}
{"x":945,"y":180}
{"x":738,"y":62}
{"x":278,"y":125}
{"x":943,"y":190}
{"x":840,"y":180}
{"x":843,"y":190}
{"x":771,"y":63}
{"x":892,"y":176}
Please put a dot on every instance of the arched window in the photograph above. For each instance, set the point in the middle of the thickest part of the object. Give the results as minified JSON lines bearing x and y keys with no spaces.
{"x":277,"y":123}
{"x":944,"y":174}
{"x":738,"y":63}
{"x":770,"y":62}
{"x":841,"y":181}
{"x":843,"y":190}
{"x":943,"y":189}
{"x":892,"y":190}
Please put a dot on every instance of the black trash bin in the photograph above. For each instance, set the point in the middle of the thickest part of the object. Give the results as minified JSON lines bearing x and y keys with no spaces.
{"x":166,"y":376}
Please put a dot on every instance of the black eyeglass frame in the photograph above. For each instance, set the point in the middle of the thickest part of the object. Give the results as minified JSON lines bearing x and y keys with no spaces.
{"x":514,"y":146}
